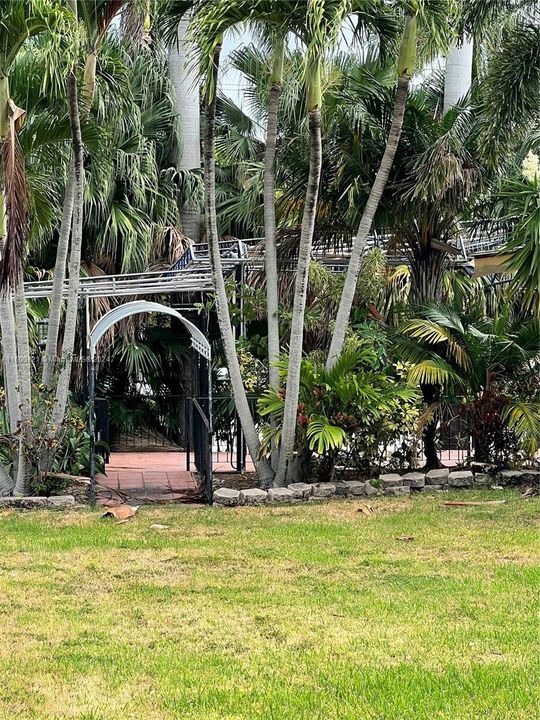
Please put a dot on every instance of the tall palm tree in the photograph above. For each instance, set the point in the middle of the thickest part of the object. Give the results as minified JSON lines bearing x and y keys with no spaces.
{"x":269,"y":192}
{"x":208,"y":24}
{"x":458,"y":72}
{"x":319,"y":33}
{"x":21,"y":20}
{"x":479,"y":26}
{"x":184,"y":77}
{"x":62,"y":388}
{"x":435,"y":16}
{"x":96,"y":16}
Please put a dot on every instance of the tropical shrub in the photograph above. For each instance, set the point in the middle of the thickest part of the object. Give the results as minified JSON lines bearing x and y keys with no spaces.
{"x":358,"y":401}
{"x":481,"y":368}
{"x":519,"y":206}
{"x":391,"y":439}
{"x":71,"y":446}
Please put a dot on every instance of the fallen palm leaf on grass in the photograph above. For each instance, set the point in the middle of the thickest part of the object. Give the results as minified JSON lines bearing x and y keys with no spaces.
{"x":473,"y":503}
{"x":122,"y":513}
{"x":157,"y":526}
{"x":365,"y":509}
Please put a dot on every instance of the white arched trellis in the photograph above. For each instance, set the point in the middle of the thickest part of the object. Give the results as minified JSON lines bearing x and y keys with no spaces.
{"x":198,"y":341}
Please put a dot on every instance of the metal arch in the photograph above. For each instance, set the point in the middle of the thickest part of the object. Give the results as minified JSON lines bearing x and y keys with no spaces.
{"x":198,"y":340}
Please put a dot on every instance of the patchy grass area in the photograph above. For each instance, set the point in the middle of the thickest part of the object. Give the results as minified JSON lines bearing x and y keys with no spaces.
{"x":289,"y":613}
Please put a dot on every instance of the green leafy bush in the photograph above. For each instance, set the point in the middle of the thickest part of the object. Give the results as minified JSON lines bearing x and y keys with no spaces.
{"x":361,"y":401}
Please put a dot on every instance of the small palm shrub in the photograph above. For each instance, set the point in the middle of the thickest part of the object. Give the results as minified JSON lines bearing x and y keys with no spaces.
{"x":483,"y":369}
{"x":359,"y":403}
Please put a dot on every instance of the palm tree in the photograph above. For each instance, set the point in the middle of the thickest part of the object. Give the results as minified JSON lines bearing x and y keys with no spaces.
{"x":21,"y":21}
{"x":322,"y":26}
{"x":479,"y":26}
{"x":437,"y":19}
{"x":184,"y":78}
{"x":208,"y":24}
{"x":474,"y":360}
{"x":62,"y":389}
{"x":458,"y":72}
{"x":218,"y":18}
{"x":519,"y":206}
{"x":272,"y":295}
{"x":97,"y":17}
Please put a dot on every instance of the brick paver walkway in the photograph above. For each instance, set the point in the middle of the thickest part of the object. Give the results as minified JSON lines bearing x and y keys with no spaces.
{"x":148,"y":477}
{"x":152,"y":476}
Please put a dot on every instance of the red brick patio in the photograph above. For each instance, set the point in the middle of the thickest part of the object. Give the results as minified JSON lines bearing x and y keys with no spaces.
{"x":152,"y":477}
{"x":147,"y":477}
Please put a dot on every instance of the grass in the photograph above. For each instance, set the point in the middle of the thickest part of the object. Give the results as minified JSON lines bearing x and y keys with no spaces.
{"x":304,"y":612}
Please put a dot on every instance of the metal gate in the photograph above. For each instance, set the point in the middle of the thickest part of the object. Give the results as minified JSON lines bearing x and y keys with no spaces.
{"x":199,"y":423}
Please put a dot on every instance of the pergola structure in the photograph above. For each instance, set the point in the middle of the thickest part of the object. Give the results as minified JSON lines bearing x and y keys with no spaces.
{"x":191,"y":277}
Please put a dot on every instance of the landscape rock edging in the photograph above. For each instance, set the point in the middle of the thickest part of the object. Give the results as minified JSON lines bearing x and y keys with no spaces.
{"x":59,"y":502}
{"x":390,"y":484}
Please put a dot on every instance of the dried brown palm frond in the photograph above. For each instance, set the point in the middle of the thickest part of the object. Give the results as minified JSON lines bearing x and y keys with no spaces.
{"x":175,"y":243}
{"x":134,"y":15}
{"x":16,"y":204}
{"x":104,"y":12}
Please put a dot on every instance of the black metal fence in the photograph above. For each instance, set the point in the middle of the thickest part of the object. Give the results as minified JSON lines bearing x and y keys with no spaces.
{"x":181,"y":423}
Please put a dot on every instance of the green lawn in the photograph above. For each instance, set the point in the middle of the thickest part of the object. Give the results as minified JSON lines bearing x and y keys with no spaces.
{"x":303,"y":612}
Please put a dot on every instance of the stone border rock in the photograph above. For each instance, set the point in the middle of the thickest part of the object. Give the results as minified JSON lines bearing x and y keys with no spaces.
{"x":59,"y":502}
{"x":390,"y":484}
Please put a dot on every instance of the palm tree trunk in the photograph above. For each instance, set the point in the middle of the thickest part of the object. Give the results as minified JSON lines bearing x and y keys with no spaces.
{"x":300,"y":467}
{"x":269,"y":199}
{"x":6,"y":483}
{"x":62,"y":389}
{"x":15,"y":342}
{"x":55,"y":312}
{"x":89,"y":81}
{"x":10,"y":362}
{"x":405,"y":70}
{"x":269,"y":189}
{"x":290,"y":411}
{"x":431,"y":393}
{"x":22,"y":483}
{"x":184,"y":80}
{"x":9,"y":343}
{"x":458,"y":73}
{"x":427,"y":273}
{"x":264,"y":471}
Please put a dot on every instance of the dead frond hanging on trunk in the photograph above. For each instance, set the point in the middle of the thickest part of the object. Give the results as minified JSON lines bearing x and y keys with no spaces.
{"x":16,"y":201}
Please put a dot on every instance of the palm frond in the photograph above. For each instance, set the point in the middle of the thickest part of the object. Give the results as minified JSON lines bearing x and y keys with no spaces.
{"x":324,"y":437}
{"x":435,"y":371}
{"x":524,"y":419}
